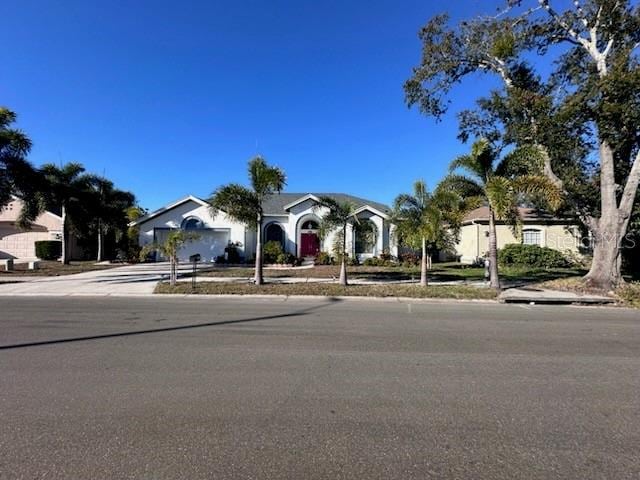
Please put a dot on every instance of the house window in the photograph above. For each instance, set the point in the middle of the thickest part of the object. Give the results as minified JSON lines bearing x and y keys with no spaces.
{"x":531,"y":237}
{"x":310,"y":225}
{"x":365,"y":237}
{"x":192,"y":223}
{"x":274,"y":233}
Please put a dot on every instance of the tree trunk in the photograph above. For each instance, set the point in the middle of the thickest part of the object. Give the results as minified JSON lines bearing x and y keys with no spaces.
{"x":259,"y":279}
{"x":172,"y":274}
{"x":610,"y":229}
{"x":64,"y":257}
{"x":423,"y":264}
{"x":100,"y":247}
{"x":605,"y":271}
{"x":494,"y":280}
{"x":343,"y":266}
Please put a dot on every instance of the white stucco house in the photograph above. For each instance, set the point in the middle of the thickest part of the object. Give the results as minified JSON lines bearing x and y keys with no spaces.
{"x":292,"y":219}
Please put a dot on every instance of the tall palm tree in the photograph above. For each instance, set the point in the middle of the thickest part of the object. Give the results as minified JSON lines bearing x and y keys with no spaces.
{"x":338,"y":216}
{"x":245,"y":204}
{"x":107,"y":209}
{"x":428,"y":220}
{"x":502,"y":184}
{"x":66,"y":187}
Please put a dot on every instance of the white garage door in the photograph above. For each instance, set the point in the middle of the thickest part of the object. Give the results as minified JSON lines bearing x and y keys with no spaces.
{"x":210,"y":244}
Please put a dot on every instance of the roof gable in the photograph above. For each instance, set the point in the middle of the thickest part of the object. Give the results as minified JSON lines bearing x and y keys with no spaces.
{"x":171,"y":206}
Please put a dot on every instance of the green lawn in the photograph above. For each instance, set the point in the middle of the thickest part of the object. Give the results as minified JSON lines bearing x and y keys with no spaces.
{"x":331,"y":290}
{"x":440,"y":271}
{"x":53,"y":268}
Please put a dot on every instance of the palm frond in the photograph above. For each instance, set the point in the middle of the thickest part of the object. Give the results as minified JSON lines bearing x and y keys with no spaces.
{"x":238,"y":202}
{"x":264,"y":178}
{"x":463,"y":185}
{"x":541,"y":187}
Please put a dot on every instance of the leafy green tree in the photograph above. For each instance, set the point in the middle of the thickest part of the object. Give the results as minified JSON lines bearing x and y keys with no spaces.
{"x":592,"y":96}
{"x":429,"y":220}
{"x":170,"y":248}
{"x":481,"y":174}
{"x":245,"y":204}
{"x":17,"y":175}
{"x":65,"y":189}
{"x":337,"y":216}
{"x":107,"y":208}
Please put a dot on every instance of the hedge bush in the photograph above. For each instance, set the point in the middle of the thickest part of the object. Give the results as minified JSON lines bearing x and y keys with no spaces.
{"x":48,"y":249}
{"x":271,"y":251}
{"x":519,"y":255}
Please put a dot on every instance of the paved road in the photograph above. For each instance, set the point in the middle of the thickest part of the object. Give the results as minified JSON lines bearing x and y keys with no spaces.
{"x":154,"y":388}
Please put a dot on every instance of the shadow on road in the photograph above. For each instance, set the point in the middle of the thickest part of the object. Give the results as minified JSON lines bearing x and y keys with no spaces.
{"x":297,"y":313}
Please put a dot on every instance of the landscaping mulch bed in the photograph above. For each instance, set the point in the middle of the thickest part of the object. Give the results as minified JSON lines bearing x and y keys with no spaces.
{"x":332,"y":290}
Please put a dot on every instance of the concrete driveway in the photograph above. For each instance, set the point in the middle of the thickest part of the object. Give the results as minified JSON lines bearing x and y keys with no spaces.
{"x":125,"y":280}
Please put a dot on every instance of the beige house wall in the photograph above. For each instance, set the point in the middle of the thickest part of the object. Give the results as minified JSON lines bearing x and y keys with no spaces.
{"x":474,"y":239}
{"x":20,"y":244}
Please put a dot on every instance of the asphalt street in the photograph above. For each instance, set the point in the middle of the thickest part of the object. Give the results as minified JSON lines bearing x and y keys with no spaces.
{"x":172,"y":388}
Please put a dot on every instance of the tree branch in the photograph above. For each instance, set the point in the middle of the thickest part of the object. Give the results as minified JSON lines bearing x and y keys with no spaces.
{"x":558,"y":19}
{"x":581,"y":14}
{"x":631,"y":188}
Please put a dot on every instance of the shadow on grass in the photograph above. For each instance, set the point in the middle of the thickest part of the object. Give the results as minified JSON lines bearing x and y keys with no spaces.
{"x":297,"y":313}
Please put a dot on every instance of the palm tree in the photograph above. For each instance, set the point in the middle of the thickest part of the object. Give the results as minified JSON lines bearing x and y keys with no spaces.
{"x":107,"y":209}
{"x":245,"y":204}
{"x":501,"y":184}
{"x":338,"y":215}
{"x":17,"y":175}
{"x":176,"y":239}
{"x":66,"y":186}
{"x":428,"y":220}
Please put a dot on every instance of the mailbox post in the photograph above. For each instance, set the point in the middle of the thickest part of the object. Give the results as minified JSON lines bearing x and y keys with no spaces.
{"x":194,"y":259}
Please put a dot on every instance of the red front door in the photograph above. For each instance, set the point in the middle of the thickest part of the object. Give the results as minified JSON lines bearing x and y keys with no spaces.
{"x":309,"y":244}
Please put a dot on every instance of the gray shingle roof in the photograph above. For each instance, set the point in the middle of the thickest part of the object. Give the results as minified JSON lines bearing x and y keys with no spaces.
{"x":274,"y":204}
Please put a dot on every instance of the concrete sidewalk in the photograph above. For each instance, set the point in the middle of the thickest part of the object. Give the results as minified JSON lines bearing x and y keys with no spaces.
{"x":540,"y":295}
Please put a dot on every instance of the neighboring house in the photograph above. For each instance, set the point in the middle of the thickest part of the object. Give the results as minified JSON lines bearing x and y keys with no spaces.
{"x":16,"y":243}
{"x":537,"y":229}
{"x":289,"y":218}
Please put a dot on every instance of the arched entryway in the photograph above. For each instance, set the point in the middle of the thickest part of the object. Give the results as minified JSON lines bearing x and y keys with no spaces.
{"x":365,"y":238}
{"x":309,"y":239}
{"x":274,"y":233}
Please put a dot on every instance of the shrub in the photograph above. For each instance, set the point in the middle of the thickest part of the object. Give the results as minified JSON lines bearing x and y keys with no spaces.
{"x":233,"y":256}
{"x":630,"y":294}
{"x":323,"y":258}
{"x":272,"y":251}
{"x":519,"y":255}
{"x":409,"y":259}
{"x":48,"y":249}
{"x":382,"y":261}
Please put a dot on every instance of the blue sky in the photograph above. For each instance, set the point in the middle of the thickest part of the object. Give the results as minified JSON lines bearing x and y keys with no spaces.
{"x":173,"y":98}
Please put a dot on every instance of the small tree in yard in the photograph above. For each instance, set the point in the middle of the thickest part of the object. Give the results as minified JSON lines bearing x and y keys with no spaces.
{"x":245,"y":204}
{"x":428,"y":220}
{"x":338,"y":216}
{"x":176,"y":239}
{"x":494,"y":181}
